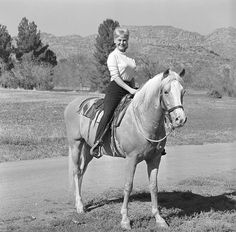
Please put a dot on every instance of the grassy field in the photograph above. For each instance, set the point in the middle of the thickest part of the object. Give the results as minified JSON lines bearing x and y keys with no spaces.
{"x":32,"y":124}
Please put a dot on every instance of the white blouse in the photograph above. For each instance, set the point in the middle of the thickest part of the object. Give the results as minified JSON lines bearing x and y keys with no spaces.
{"x":121,"y":66}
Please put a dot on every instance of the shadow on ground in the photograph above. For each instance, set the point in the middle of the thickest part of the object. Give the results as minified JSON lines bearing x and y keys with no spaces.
{"x":187,"y":202}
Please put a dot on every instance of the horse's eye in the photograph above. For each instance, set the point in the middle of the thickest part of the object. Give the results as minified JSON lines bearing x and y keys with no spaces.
{"x":165,"y":92}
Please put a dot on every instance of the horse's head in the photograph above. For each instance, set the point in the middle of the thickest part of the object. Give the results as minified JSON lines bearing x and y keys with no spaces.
{"x":172,"y":93}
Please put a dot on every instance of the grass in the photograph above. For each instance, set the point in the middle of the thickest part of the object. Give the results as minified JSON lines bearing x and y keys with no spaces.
{"x":32,"y":123}
{"x":198,"y":204}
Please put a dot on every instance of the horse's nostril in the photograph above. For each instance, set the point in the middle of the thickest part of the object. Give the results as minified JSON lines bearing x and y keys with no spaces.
{"x":185,"y":120}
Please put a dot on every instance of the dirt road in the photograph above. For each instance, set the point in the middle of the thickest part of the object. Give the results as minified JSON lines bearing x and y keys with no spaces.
{"x":38,"y":189}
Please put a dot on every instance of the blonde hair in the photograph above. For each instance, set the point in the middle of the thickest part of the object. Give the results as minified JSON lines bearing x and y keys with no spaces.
{"x":121,"y":31}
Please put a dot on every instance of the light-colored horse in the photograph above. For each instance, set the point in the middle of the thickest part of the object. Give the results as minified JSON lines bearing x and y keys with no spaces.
{"x":141,"y":136}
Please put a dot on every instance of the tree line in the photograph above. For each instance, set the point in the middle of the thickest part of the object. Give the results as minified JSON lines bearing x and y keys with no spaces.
{"x":25,"y":62}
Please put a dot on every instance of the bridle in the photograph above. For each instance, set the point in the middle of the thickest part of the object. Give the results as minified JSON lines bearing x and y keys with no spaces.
{"x":166,"y":110}
{"x":166,"y":113}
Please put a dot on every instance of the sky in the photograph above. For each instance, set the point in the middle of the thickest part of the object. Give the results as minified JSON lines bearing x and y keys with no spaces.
{"x":83,"y":17}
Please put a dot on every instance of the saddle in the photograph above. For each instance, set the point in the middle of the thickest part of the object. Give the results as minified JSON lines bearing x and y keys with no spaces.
{"x":90,"y":111}
{"x":94,"y":110}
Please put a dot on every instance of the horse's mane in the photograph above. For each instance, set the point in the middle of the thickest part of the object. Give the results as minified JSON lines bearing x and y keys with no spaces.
{"x":143,"y":96}
{"x":152,"y":87}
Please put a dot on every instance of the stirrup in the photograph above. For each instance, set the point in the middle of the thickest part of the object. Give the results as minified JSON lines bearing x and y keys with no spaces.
{"x":95,"y":150}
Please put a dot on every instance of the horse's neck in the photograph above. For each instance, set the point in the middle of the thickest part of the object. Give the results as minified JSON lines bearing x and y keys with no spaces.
{"x":147,"y":105}
{"x":150,"y":116}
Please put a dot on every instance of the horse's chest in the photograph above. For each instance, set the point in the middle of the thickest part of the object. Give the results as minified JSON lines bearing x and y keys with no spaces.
{"x":151,"y":150}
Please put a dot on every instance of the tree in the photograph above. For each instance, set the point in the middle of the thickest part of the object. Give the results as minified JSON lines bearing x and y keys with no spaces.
{"x":103,"y":46}
{"x":5,"y":46}
{"x":30,"y":62}
{"x":74,"y":72}
{"x":28,"y":38}
{"x":44,"y":55}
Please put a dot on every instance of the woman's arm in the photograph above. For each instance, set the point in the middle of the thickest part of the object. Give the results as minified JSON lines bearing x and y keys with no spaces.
{"x":122,"y":84}
{"x":132,"y":83}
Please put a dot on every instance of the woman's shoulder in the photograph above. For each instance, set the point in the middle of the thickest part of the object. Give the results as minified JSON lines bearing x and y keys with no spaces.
{"x":113,"y":53}
{"x":112,"y":56}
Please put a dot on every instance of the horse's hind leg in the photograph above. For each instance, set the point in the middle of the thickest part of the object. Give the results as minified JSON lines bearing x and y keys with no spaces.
{"x":79,"y":159}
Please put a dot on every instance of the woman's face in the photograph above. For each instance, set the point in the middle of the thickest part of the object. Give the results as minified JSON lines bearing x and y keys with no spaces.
{"x":121,"y":43}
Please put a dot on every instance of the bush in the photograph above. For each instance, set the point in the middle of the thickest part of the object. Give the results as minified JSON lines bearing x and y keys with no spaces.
{"x":28,"y":75}
{"x":228,"y":81}
{"x":224,"y":83}
{"x":43,"y":77}
{"x":7,"y":80}
{"x":214,"y":94}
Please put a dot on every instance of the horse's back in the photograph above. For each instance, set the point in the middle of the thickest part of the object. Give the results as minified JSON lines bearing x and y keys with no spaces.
{"x":75,"y":121}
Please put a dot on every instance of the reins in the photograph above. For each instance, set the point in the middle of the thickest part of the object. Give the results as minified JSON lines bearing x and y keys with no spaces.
{"x":141,"y":131}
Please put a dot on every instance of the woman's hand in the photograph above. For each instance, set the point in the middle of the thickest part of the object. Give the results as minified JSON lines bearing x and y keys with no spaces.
{"x":133,"y":91}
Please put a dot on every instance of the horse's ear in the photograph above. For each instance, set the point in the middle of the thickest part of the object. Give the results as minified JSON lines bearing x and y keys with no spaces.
{"x":182,"y":73}
{"x":166,"y":73}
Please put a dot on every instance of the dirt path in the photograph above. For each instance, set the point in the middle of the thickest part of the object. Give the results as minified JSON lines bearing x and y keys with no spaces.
{"x":38,"y":189}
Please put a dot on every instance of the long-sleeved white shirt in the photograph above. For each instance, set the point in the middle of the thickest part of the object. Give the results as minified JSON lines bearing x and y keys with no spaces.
{"x":121,"y":66}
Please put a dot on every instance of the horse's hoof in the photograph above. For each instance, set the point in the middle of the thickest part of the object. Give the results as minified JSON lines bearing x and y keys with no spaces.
{"x":125,"y":225}
{"x":163,"y":225}
{"x":80,"y":210}
{"x":160,"y":222}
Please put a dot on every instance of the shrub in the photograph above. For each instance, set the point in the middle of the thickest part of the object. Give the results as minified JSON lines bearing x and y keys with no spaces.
{"x":7,"y":80}
{"x":43,"y":77}
{"x":214,"y":94}
{"x":228,"y":81}
{"x":28,"y":75}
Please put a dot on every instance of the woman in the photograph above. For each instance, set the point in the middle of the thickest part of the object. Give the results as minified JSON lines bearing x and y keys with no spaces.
{"x":122,"y":71}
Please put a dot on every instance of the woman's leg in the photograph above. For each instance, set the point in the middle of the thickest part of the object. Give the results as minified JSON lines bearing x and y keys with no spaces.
{"x":113,"y":96}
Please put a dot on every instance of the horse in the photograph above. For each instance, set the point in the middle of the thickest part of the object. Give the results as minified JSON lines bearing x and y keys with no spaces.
{"x":141,"y":136}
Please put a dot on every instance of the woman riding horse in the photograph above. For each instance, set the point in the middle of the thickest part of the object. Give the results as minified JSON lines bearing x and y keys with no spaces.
{"x":141,"y":136}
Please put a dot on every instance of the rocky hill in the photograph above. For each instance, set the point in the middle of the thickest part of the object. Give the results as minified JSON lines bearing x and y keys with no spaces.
{"x":221,"y":41}
{"x":65,"y":46}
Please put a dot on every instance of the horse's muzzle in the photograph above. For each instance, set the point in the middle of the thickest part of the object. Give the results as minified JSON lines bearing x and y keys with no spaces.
{"x":179,"y":121}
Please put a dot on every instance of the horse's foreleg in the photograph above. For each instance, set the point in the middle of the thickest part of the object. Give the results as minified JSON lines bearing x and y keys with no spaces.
{"x":130,"y":170}
{"x":80,"y":159}
{"x":153,"y":166}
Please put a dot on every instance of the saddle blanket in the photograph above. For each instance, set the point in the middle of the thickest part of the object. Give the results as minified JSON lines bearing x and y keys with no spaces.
{"x":90,"y":111}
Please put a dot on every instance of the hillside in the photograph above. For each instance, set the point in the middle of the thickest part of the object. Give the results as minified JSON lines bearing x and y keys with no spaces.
{"x":165,"y":35}
{"x":65,"y":46}
{"x":221,"y":41}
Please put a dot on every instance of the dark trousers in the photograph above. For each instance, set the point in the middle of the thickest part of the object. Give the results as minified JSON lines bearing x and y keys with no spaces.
{"x":113,"y":96}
